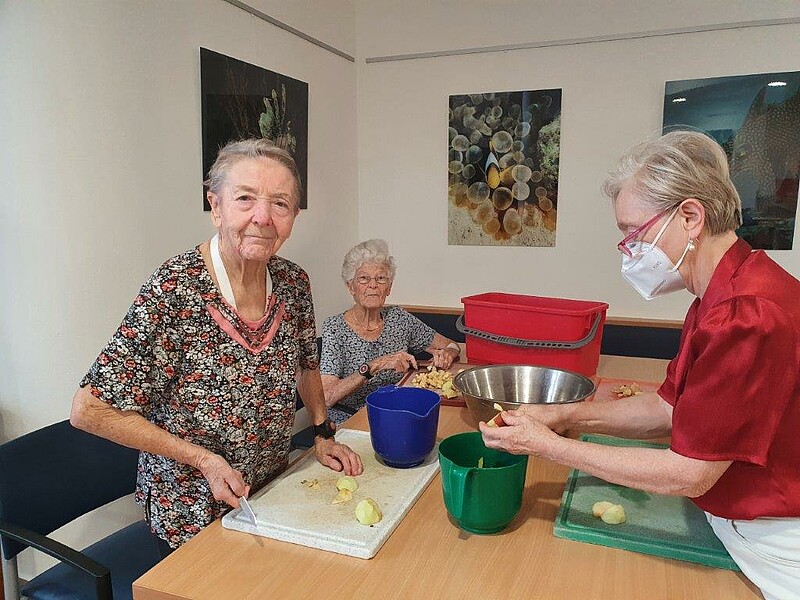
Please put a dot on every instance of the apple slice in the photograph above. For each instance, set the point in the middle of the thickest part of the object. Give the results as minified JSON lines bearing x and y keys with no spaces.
{"x":346,"y":483}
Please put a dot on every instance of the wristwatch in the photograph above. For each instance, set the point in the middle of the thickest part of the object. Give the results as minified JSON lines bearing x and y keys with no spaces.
{"x":363,"y":370}
{"x":325,"y":430}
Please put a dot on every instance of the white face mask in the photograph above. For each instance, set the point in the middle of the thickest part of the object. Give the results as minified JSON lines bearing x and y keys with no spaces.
{"x":650,"y":271}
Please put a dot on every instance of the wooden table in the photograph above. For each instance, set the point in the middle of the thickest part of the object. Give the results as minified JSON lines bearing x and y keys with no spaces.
{"x":429,"y":557}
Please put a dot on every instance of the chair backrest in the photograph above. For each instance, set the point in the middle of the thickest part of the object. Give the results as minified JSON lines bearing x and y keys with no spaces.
{"x":51,"y":476}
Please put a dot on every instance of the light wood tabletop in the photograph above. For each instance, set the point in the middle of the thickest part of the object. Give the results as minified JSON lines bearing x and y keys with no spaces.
{"x":427,"y":556}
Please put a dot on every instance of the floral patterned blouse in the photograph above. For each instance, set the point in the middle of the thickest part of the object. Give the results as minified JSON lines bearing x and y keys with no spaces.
{"x":185,"y":360}
{"x":343,"y":351}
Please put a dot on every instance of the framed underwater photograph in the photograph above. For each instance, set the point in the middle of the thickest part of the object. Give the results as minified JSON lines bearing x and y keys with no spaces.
{"x":756,"y":119}
{"x":240,"y":100}
{"x":503,"y":152}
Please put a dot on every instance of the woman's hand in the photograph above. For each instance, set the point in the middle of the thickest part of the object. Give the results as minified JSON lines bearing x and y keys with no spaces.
{"x":523,"y":434}
{"x":337,"y":456}
{"x":398,"y":361}
{"x":444,"y":357}
{"x":556,"y":417}
{"x":227,"y":484}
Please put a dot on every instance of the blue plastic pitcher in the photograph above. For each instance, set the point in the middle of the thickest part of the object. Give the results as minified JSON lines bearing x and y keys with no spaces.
{"x":402,"y":424}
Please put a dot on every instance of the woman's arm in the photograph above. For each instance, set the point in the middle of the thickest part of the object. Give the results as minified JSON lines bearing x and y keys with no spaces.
{"x":328,"y":451}
{"x":658,"y":471}
{"x":131,"y":429}
{"x":333,"y":363}
{"x":336,"y":389}
{"x":649,"y":469}
{"x":645,"y":416}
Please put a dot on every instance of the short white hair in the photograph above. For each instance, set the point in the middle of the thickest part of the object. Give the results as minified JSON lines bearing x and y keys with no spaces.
{"x":236,"y":150}
{"x":372,"y":251}
{"x":676,"y":166}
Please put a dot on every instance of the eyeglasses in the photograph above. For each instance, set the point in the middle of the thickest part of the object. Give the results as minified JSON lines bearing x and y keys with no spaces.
{"x":380,"y":279}
{"x":623,"y":245}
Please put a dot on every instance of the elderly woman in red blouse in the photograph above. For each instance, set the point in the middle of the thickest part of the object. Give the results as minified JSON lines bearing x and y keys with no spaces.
{"x":201,"y":374}
{"x":731,"y":400}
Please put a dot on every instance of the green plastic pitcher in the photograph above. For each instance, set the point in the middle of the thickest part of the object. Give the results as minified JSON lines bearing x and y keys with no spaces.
{"x":482,"y":487}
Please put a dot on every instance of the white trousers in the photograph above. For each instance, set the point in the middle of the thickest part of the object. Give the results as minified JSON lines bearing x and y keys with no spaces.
{"x":767,"y":551}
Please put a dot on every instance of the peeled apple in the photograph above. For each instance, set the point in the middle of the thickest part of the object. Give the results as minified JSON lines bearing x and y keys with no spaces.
{"x":614,"y":515}
{"x":368,"y":512}
{"x":598,"y":508}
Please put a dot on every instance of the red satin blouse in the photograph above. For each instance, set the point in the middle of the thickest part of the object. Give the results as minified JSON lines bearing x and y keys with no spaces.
{"x":735,"y":386}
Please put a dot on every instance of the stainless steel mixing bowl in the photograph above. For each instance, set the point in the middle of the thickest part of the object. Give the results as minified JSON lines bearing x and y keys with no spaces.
{"x":512,"y":386}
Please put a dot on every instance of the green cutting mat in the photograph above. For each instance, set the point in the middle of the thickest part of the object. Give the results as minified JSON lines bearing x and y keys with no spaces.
{"x":668,"y":526}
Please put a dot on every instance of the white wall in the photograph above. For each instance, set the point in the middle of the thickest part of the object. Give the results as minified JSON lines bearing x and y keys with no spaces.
{"x":389,"y":27}
{"x":330,"y":21}
{"x":101,"y":160}
{"x":612,"y":98}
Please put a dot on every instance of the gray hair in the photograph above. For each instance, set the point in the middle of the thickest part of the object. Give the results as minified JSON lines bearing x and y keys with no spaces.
{"x":372,"y":251}
{"x":234,"y":151}
{"x":679,"y":165}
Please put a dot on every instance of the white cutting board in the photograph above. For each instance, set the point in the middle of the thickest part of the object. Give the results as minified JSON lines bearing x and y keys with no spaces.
{"x":290,"y":512}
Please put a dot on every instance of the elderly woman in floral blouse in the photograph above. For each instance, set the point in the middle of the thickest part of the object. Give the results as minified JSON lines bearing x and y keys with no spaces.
{"x":201,"y":374}
{"x":369,"y":344}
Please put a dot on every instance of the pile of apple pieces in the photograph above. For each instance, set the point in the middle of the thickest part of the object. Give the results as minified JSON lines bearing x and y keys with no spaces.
{"x":436,"y":379}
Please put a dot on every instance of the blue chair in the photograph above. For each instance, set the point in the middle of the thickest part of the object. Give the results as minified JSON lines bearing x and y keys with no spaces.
{"x":50,"y":477}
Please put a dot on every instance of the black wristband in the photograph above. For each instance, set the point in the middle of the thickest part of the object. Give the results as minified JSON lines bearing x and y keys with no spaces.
{"x":326,"y":429}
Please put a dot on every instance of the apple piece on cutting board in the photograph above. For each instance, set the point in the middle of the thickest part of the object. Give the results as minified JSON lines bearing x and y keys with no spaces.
{"x":368,"y":512}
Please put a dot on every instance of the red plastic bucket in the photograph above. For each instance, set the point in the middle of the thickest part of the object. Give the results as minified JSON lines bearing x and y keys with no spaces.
{"x":532,"y":330}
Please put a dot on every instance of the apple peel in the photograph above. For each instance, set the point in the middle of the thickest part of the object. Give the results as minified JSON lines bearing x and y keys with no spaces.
{"x":343,"y":496}
{"x":497,"y":420}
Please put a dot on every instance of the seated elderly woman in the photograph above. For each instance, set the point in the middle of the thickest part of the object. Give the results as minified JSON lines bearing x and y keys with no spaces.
{"x":731,"y":399}
{"x":371,"y":345}
{"x":201,"y":374}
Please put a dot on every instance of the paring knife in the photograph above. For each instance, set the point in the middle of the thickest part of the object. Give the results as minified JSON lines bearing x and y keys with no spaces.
{"x":247,"y":510}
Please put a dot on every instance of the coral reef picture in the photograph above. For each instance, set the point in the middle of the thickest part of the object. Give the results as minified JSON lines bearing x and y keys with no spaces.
{"x":756,"y":119}
{"x":240,"y":100}
{"x":502,"y":165}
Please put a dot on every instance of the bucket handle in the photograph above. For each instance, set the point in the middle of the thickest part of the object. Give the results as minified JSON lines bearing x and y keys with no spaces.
{"x":460,"y":479}
{"x":523,"y":343}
